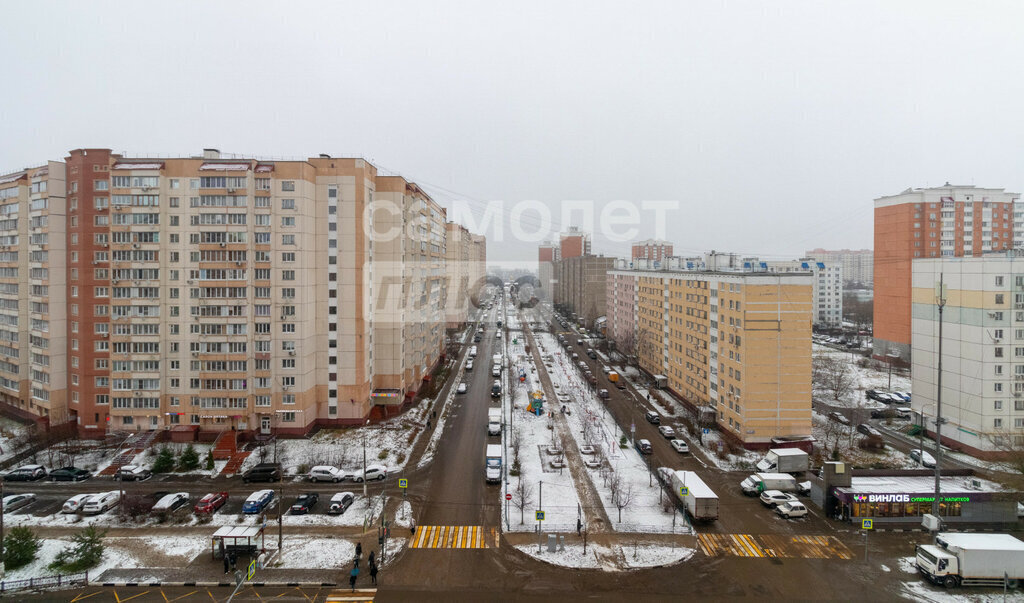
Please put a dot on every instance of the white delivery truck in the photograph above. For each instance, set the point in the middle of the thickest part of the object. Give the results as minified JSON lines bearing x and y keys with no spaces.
{"x":972,"y":559}
{"x":784,"y":460}
{"x":494,"y":421}
{"x":496,"y":359}
{"x":759,"y":482}
{"x":700,"y":501}
{"x":472,"y":352}
{"x":492,"y":463}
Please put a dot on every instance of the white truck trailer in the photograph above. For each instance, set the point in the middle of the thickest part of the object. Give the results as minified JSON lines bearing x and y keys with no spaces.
{"x":784,"y":460}
{"x":492,"y":463}
{"x":494,"y":421}
{"x":700,"y":501}
{"x":972,"y":559}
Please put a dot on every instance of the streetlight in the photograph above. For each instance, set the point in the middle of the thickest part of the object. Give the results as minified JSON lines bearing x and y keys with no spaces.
{"x":920,"y":435}
{"x":940,"y":302}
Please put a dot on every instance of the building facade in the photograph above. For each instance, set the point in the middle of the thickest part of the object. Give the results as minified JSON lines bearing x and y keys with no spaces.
{"x":581,"y":286}
{"x":547,"y":254}
{"x":217,"y":293}
{"x":621,"y":302}
{"x":574,"y":243}
{"x":651,"y":249}
{"x":982,"y":350}
{"x":827,"y":290}
{"x":736,"y":344}
{"x":858,"y":265}
{"x":946,"y":221}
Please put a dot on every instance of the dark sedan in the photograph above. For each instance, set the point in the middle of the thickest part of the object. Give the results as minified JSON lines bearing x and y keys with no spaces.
{"x":304,"y":503}
{"x":69,"y":474}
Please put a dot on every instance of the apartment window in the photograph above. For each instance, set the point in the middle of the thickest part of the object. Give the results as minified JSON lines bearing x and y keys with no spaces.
{"x":999,"y":281}
{"x":1017,"y":405}
{"x":288,"y":363}
{"x":288,"y":221}
{"x":997,"y":405}
{"x":998,"y":369}
{"x":288,"y":256}
{"x":100,"y":185}
{"x":288,"y":275}
{"x":288,"y":239}
{"x":287,"y":203}
{"x":999,"y":352}
{"x":997,"y":387}
{"x":997,"y":423}
{"x":997,"y":316}
{"x":999,"y":298}
{"x":288,"y":417}
{"x":288,"y":185}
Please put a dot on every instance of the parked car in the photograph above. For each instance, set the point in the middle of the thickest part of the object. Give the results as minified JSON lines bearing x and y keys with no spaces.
{"x":462,"y":388}
{"x":667,"y":432}
{"x":26,"y":473}
{"x":170,"y":502}
{"x":883,"y":413}
{"x":257,"y":501}
{"x":868,"y":430}
{"x":263,"y":472}
{"x":771,"y":498}
{"x":591,"y":379}
{"x":326,"y":473}
{"x":378,"y":472}
{"x":74,"y":504}
{"x":923,"y":457}
{"x":211,"y":502}
{"x":17,"y":501}
{"x":101,"y":503}
{"x":606,"y":369}
{"x":591,"y":353}
{"x":839,"y":417}
{"x":903,"y":412}
{"x":680,"y":446}
{"x":133,"y":473}
{"x":469,"y":365}
{"x":652,"y":417}
{"x":791,"y":509}
{"x":340,"y":502}
{"x":304,"y":503}
{"x":874,"y":394}
{"x":905,"y":396}
{"x":602,"y":393}
{"x":644,"y":447}
{"x":497,"y":334}
{"x":69,"y":474}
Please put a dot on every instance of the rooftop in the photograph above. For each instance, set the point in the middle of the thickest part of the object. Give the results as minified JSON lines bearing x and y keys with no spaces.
{"x":917,"y":484}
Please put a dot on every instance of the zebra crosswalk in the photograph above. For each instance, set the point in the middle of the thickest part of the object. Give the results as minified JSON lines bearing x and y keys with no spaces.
{"x":773,"y":545}
{"x":451,"y":537}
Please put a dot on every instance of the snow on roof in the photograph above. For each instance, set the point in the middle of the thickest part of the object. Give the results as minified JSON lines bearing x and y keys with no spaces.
{"x":236,"y":532}
{"x":265,"y":167}
{"x":122,"y":165}
{"x":999,"y":542}
{"x":226,"y":167}
{"x":788,"y":452}
{"x":696,"y":486}
{"x":12,"y":177}
{"x":915,"y":484}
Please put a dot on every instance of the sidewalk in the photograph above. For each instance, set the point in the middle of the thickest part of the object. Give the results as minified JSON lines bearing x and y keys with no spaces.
{"x":195,"y":575}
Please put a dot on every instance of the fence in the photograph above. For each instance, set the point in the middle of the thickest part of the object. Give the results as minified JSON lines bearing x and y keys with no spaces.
{"x":45,"y":582}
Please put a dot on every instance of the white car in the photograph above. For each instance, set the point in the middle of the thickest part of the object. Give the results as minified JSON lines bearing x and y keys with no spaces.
{"x":462,"y":388}
{"x":922,"y":457}
{"x":326,"y":473}
{"x":607,"y":369}
{"x":791,"y":509}
{"x":497,"y":334}
{"x":667,"y":431}
{"x":75,"y":503}
{"x":17,"y":501}
{"x":340,"y":502}
{"x":680,"y":446}
{"x":101,"y":503}
{"x":378,"y":472}
{"x":171,"y":502}
{"x":772,"y":498}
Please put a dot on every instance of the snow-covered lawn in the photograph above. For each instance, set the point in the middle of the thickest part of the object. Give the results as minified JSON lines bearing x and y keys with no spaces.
{"x":572,"y":556}
{"x":651,"y":555}
{"x":830,"y":434}
{"x":310,"y":552}
{"x":618,"y":558}
{"x":12,"y":433}
{"x":875,"y":375}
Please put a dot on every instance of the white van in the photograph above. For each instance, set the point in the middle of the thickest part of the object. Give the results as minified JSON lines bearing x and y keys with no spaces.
{"x":472,"y":352}
{"x":101,"y":503}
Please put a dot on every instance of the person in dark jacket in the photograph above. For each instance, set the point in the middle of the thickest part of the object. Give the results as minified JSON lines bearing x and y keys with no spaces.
{"x":373,"y":573}
{"x":359,"y":549}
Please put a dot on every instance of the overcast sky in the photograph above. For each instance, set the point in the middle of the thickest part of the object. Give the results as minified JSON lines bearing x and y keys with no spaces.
{"x":773,"y":124}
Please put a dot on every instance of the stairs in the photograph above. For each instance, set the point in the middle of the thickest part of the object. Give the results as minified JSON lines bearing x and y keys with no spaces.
{"x":134,"y":445}
{"x":226,"y":446}
{"x":234,"y":463}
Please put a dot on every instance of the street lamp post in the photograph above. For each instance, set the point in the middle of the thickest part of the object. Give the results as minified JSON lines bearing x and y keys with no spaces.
{"x":940,"y":302}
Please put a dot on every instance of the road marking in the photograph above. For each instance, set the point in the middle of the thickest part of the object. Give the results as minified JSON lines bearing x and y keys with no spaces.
{"x":341,"y":596}
{"x":84,"y":596}
{"x":773,"y":545}
{"x":450,"y":537}
{"x":178,"y":597}
{"x":120,"y":600}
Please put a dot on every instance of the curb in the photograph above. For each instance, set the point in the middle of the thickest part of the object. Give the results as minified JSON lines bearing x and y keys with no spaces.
{"x":229,"y":584}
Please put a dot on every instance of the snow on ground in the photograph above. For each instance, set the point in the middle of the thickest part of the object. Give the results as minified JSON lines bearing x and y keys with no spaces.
{"x":867,"y":373}
{"x":908,"y":564}
{"x":618,"y":558}
{"x":308,"y":552}
{"x":650,"y":555}
{"x":645,"y":511}
{"x":11,"y":434}
{"x":922,"y":590}
{"x":403,"y":516}
{"x":182,"y":547}
{"x":119,"y":553}
{"x":148,"y":456}
{"x":573,"y":555}
{"x":830,"y":434}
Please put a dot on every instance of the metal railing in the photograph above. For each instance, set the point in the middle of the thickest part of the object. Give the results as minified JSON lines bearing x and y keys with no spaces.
{"x":45,"y":582}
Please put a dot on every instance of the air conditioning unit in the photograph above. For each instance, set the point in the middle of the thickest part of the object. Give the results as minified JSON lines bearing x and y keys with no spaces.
{"x":115,"y":281}
{"x":194,"y":354}
{"x":231,"y":190}
{"x":223,"y":244}
{"x":118,"y":207}
{"x":105,"y":334}
{"x":105,"y":245}
{"x":239,"y":263}
{"x":94,"y":262}
{"x":1019,"y":306}
{"x":135,"y":245}
{"x":291,"y":352}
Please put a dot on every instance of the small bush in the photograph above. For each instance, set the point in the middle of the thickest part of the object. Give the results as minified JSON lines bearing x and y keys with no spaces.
{"x":871,"y":443}
{"x":383,"y":454}
{"x":85,"y":551}
{"x":303,"y":468}
{"x":209,"y":461}
{"x":20,"y":548}
{"x":189,"y":459}
{"x":164,"y":462}
{"x":136,"y":505}
{"x":401,"y":458}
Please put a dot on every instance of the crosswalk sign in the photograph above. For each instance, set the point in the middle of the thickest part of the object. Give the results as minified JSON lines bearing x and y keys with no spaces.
{"x":403,"y":483}
{"x":684,"y":490}
{"x":867,"y":524}
{"x":252,"y":570}
{"x":540,"y":515}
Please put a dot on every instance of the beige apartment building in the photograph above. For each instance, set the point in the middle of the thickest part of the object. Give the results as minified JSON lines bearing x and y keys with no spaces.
{"x":209,"y":293}
{"x":465,"y":265}
{"x":737,"y":344}
{"x":581,"y":286}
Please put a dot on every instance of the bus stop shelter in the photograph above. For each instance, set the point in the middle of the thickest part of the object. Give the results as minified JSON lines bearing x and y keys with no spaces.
{"x":247,"y":540}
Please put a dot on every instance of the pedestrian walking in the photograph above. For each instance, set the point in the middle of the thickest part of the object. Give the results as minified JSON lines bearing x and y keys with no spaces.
{"x":227,"y":562}
{"x":373,"y":573}
{"x":579,"y":526}
{"x":359,"y":549}
{"x":373,"y":557}
{"x":355,"y":563}
{"x":428,"y":423}
{"x":234,"y":560}
{"x":352,"y":581}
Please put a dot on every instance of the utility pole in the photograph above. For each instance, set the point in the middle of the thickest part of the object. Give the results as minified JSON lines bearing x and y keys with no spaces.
{"x":1,"y":529}
{"x":540,"y":505}
{"x":940,"y":301}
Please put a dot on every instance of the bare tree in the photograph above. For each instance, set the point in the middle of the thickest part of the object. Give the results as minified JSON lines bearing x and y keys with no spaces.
{"x":516,"y":441}
{"x":832,"y":432}
{"x":522,"y":497}
{"x":1010,"y":444}
{"x":833,"y":375}
{"x":588,"y":430}
{"x":622,"y":494}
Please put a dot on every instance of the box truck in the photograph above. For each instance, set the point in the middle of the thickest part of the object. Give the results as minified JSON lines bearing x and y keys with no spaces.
{"x":784,"y":460}
{"x":496,"y":359}
{"x":494,"y":421}
{"x":700,"y":501}
{"x":492,"y":463}
{"x":972,"y":559}
{"x":759,"y":482}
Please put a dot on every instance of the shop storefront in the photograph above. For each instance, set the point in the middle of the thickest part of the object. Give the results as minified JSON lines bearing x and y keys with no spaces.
{"x":906,"y":499}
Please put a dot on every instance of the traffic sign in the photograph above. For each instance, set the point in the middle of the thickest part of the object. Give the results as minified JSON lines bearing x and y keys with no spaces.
{"x":403,"y":483}
{"x":540,"y":515}
{"x":252,"y":570}
{"x":867,"y":524}
{"x":684,"y":490}
{"x":706,"y":431}
{"x":508,"y":497}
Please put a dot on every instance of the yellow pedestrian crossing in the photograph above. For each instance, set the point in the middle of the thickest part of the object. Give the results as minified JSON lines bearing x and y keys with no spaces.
{"x":362,"y":595}
{"x":450,"y":537}
{"x":773,"y":545}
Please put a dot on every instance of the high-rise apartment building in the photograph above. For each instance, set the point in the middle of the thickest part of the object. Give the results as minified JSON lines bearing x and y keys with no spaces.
{"x":581,"y":286}
{"x":652,"y":249}
{"x":982,"y":350}
{"x":621,"y":300}
{"x":574,"y":243}
{"x":735,"y":343}
{"x":857,"y":264}
{"x":827,"y":290}
{"x":945,"y":221}
{"x":547,"y":254}
{"x":217,"y":293}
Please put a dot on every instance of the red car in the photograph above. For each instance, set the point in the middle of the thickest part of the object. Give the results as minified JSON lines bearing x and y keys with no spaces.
{"x":211,"y":502}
